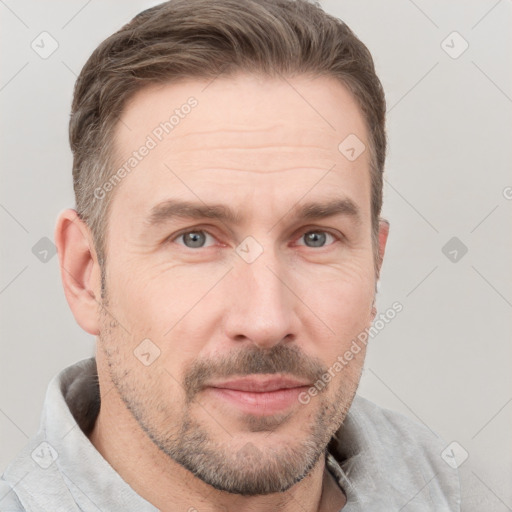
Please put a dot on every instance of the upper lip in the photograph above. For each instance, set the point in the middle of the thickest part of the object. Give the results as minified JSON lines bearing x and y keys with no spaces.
{"x":260,"y":383}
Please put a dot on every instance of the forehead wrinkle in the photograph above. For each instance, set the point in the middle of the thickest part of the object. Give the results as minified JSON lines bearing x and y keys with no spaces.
{"x":238,"y":129}
{"x":258,"y":160}
{"x":278,"y":137}
{"x":256,"y":171}
{"x":271,"y":159}
{"x":305,"y":153}
{"x":284,"y":131}
{"x":238,"y":147}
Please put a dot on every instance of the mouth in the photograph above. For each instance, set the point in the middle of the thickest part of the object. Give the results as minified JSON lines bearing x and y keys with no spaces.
{"x":259,"y":395}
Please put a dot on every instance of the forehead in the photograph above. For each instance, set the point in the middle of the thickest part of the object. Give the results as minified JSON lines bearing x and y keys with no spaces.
{"x":238,"y":131}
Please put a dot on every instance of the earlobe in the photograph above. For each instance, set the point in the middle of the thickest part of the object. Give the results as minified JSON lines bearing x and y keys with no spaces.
{"x":79,"y":269}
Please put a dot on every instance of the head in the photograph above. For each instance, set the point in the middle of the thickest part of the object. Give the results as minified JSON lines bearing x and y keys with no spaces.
{"x":222,"y":231}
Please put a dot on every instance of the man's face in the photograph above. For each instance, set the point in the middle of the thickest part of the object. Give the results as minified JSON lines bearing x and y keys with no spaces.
{"x":244,"y":312}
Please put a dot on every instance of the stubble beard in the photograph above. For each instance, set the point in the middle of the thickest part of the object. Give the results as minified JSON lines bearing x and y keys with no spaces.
{"x":250,"y":468}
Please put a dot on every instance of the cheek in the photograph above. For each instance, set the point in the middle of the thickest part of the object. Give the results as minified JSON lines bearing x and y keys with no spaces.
{"x":348,"y":306}
{"x":139,"y":365}
{"x":173,"y":308}
{"x":154,"y":300}
{"x":343,"y":304}
{"x":342,"y":295}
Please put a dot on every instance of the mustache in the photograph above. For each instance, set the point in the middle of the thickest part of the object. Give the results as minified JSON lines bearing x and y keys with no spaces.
{"x":247,"y":361}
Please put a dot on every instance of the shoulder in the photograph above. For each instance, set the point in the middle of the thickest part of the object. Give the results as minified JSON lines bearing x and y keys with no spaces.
{"x":385,"y":452}
{"x":33,"y":480}
{"x":395,"y":437}
{"x":386,"y":427}
{"x":8,"y":500}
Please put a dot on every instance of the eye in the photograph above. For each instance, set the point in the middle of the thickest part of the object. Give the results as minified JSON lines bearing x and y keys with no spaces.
{"x":194,"y":239}
{"x":317,"y":238}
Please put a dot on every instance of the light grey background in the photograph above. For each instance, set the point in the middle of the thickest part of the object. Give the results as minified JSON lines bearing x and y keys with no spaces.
{"x":445,"y":359}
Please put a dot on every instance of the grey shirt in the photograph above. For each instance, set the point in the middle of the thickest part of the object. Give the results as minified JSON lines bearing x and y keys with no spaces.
{"x":382,"y":460}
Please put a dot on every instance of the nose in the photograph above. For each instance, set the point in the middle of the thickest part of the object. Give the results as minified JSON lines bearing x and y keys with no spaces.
{"x":262,"y":307}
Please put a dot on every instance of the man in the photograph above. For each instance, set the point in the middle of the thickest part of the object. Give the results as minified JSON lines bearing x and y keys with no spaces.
{"x":224,"y":250}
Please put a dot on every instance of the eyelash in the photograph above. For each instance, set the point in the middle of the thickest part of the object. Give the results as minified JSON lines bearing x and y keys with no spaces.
{"x":337,"y":236}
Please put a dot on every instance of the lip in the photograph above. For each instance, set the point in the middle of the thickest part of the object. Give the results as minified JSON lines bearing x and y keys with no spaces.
{"x":259,"y":395}
{"x":260,"y":383}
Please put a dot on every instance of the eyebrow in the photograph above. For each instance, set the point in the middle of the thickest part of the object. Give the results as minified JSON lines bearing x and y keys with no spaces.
{"x":176,"y":208}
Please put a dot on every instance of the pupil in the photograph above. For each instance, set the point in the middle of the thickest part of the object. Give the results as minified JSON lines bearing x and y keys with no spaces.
{"x":315,"y":239}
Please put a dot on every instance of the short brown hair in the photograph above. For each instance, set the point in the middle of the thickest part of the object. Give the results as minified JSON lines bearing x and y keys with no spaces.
{"x":202,"y":39}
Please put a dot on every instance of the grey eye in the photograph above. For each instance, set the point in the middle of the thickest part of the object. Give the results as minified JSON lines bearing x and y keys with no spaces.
{"x":194,"y":239}
{"x":316,"y":238}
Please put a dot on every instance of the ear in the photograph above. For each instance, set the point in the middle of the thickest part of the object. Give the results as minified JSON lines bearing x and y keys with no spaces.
{"x":79,"y":269}
{"x":383,"y":238}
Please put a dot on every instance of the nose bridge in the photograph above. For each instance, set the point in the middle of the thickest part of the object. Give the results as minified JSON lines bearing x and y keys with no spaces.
{"x":262,"y":307}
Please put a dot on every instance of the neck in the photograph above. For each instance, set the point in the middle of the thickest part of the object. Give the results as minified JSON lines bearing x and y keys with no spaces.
{"x":169,"y":486}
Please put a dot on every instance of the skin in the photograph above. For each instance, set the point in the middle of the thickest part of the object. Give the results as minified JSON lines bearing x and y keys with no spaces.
{"x":256,"y":145}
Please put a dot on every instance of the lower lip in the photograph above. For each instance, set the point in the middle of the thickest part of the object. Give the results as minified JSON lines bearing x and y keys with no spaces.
{"x":264,"y":403}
